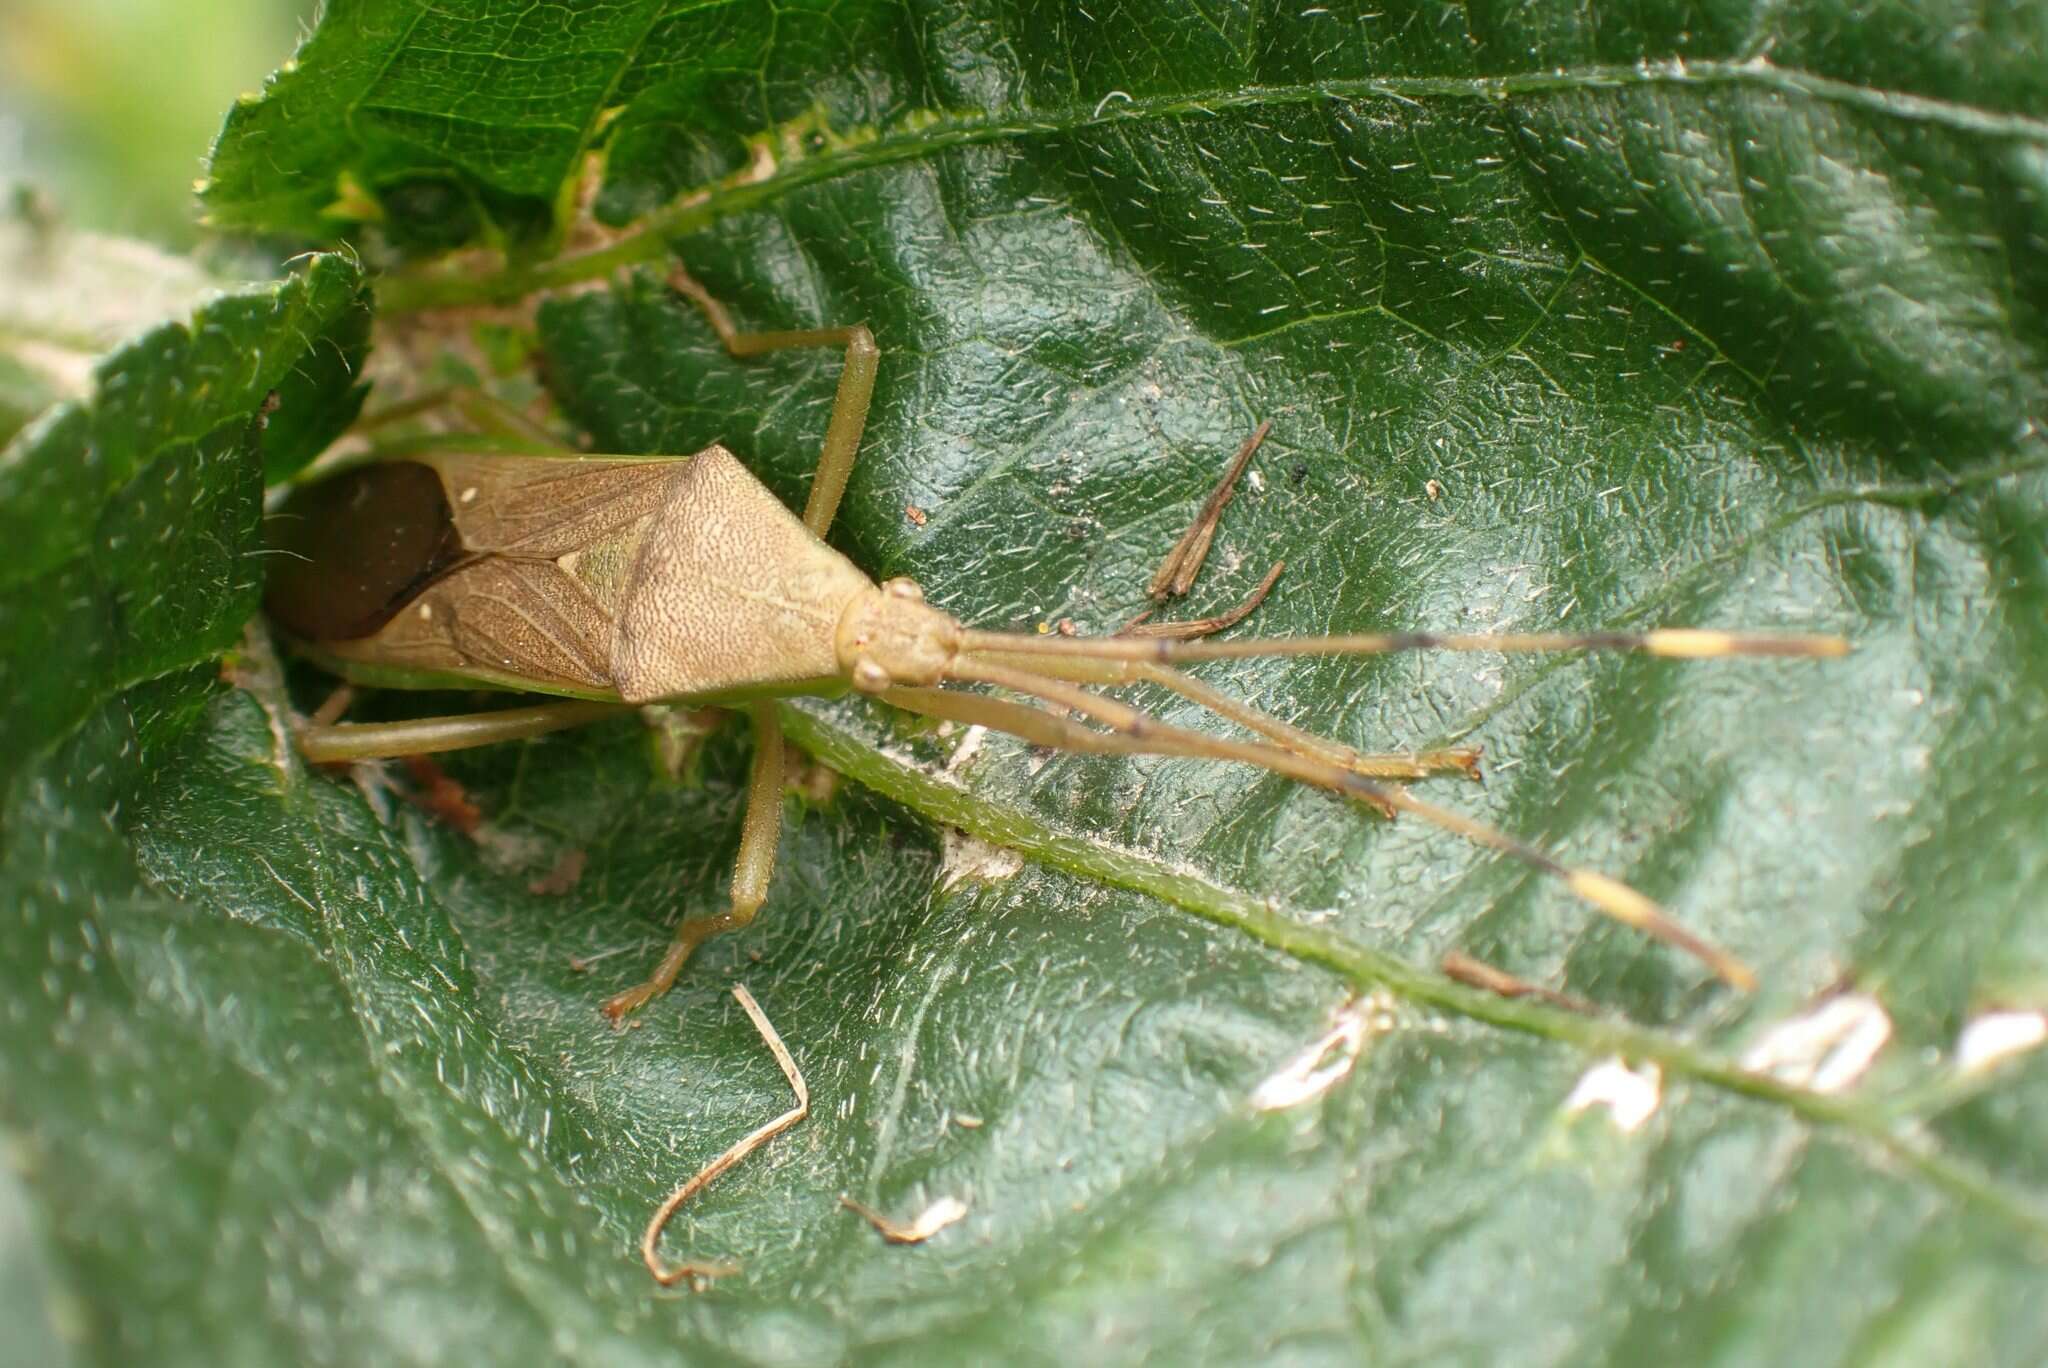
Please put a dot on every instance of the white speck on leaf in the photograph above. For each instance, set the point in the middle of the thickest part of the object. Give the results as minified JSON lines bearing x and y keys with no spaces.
{"x":1631,"y":1096}
{"x":1324,"y":1063}
{"x":1826,"y":1048}
{"x":963,"y":857}
{"x":1989,"y":1040}
{"x":965,"y":751}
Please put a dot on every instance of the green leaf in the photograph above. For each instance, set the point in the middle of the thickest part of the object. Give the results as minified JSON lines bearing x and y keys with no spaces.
{"x":1561,"y":321}
{"x":132,"y":516}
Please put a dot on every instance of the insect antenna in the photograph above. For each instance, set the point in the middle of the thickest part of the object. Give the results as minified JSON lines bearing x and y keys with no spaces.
{"x":1670,"y":642}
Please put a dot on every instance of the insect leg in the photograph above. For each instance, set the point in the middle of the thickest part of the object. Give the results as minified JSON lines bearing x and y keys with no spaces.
{"x":1043,"y":727}
{"x":1039,"y":726}
{"x":759,"y":835}
{"x":341,"y":742}
{"x":697,"y":1270}
{"x":1610,"y":896}
{"x":479,"y":410}
{"x":1417,"y":765}
{"x":1208,"y":626}
{"x":849,"y":405}
{"x":1176,"y":574}
{"x":1373,"y":765}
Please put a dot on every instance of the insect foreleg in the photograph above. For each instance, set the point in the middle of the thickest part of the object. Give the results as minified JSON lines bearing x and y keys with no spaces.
{"x":1039,"y":726}
{"x":759,"y":836}
{"x":1610,"y":896}
{"x":1415,"y":765}
{"x":1176,"y":574}
{"x":1208,"y":626}
{"x":1114,"y":673}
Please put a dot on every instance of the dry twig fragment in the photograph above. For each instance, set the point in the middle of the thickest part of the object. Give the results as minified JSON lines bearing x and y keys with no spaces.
{"x":697,"y":1270}
{"x":1475,"y":973}
{"x":928,"y":1222}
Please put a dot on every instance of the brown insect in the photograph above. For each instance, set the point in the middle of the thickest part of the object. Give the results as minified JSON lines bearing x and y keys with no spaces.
{"x":631,"y":580}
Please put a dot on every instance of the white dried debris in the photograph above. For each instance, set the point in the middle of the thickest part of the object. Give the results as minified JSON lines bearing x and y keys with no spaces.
{"x":1826,"y":1048}
{"x":963,"y":857}
{"x":970,"y":745}
{"x":1630,"y":1095}
{"x":1319,"y":1067}
{"x":1992,"y":1038}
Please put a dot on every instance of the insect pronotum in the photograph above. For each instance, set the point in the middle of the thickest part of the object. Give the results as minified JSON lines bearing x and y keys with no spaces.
{"x":622,"y":580}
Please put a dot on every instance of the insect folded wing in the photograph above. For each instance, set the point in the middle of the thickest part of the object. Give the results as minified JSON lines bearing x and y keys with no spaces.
{"x":551,"y":507}
{"x":531,"y":616}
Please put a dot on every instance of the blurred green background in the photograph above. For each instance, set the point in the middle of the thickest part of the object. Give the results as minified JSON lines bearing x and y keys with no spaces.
{"x":109,"y":106}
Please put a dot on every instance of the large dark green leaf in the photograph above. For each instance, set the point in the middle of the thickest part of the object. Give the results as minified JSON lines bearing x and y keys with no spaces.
{"x":131,"y":516}
{"x":1677,"y":314}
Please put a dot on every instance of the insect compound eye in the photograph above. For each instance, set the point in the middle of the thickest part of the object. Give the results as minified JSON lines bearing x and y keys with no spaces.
{"x":870,"y":677}
{"x":904,"y":587}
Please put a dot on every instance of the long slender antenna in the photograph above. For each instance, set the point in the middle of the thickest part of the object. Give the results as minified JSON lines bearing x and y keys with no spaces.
{"x":1680,"y":643}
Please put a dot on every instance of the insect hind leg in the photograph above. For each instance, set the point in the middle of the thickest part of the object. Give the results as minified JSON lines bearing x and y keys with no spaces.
{"x":752,"y":872}
{"x":334,"y":743}
{"x":849,"y":405}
